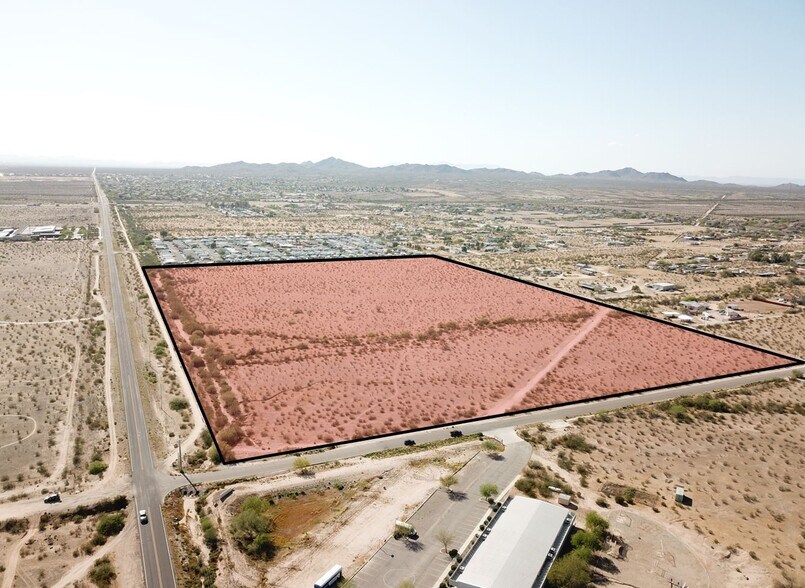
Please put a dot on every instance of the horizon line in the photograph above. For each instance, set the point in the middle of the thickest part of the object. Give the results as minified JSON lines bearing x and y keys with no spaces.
{"x":34,"y":162}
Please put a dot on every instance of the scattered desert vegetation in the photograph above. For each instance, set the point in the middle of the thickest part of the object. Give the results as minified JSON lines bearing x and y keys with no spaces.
{"x":53,"y":415}
{"x":460,"y":344}
{"x":270,"y":530}
{"x":51,"y":545}
{"x":736,"y":453}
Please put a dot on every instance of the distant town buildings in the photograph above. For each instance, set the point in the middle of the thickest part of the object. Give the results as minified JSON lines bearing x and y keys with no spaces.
{"x":271,"y":247}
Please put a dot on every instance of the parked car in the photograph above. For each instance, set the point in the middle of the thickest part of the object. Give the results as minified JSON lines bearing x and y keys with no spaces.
{"x":410,"y":442}
{"x":143,"y":517}
{"x":456,"y":433}
{"x":52,"y":498}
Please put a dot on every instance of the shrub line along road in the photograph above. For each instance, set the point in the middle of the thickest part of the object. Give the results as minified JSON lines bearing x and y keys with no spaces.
{"x":152,"y":484}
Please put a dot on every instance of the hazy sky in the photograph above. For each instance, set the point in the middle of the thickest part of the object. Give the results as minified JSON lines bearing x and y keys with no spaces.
{"x":694,"y":88}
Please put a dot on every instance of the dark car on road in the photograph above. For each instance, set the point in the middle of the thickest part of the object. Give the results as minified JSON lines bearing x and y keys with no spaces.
{"x":410,"y":442}
{"x":52,"y":498}
{"x":456,"y":433}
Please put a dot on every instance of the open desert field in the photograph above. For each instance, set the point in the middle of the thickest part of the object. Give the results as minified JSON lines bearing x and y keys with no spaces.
{"x":288,"y":356}
{"x":739,"y":456}
{"x":45,"y":200}
{"x":32,"y":190}
{"x":53,"y":418}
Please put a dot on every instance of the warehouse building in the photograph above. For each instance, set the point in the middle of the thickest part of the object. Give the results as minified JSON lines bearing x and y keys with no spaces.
{"x":518,"y":547}
{"x":39,"y":233}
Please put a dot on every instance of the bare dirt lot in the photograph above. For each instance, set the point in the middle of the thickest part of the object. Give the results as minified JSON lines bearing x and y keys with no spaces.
{"x":737,"y":453}
{"x":53,"y":420}
{"x":285,"y":356}
{"x":341,"y":512}
{"x":45,"y":200}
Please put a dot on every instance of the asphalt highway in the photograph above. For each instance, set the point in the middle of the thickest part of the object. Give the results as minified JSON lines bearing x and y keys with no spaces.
{"x":157,"y":567}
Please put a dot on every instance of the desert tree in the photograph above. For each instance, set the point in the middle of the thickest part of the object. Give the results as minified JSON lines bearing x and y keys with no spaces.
{"x":444,"y":537}
{"x":488,"y":490}
{"x":448,"y":482}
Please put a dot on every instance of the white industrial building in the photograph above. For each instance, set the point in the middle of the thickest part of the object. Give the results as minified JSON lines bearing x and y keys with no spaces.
{"x":42,"y":232}
{"x":663,"y":287}
{"x":518,"y":547}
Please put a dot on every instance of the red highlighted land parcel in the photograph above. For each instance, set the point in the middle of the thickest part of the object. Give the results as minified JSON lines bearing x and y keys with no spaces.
{"x":288,"y":356}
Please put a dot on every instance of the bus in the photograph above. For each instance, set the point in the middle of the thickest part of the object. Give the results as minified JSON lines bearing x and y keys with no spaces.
{"x":329,"y":579}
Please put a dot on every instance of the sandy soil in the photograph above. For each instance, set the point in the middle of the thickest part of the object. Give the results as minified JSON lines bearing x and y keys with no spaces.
{"x":304,"y":354}
{"x":55,"y":555}
{"x":657,"y":556}
{"x":34,"y":190}
{"x":52,"y":342}
{"x":742,"y":472}
{"x":386,"y":490}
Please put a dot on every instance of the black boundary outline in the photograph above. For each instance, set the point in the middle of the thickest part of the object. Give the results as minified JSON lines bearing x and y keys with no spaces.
{"x":793,"y":360}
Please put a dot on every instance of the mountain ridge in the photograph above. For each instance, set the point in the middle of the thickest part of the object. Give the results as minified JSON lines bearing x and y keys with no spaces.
{"x":333,"y":166}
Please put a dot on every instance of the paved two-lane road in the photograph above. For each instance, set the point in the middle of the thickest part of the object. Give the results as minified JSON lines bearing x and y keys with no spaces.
{"x":157,"y":566}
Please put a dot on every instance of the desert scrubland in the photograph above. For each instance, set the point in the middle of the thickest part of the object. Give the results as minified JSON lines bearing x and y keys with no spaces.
{"x":52,"y":335}
{"x":54,"y":420}
{"x":735,"y":452}
{"x":46,"y":200}
{"x":285,"y":356}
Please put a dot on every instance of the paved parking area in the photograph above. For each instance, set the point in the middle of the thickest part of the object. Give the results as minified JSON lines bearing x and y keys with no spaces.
{"x":422,"y":561}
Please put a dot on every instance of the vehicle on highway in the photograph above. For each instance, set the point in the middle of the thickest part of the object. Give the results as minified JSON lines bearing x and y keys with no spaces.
{"x":52,"y":498}
{"x":143,"y":517}
{"x":331,"y":578}
{"x":456,"y":433}
{"x":410,"y":442}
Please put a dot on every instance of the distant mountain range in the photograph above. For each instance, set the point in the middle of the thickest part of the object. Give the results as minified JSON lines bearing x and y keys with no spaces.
{"x":334,"y":167}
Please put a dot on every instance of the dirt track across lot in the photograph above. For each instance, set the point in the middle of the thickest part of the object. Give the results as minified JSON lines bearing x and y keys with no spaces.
{"x":286,"y":356}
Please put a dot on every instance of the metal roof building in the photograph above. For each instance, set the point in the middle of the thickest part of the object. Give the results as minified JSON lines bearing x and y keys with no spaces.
{"x":518,"y":547}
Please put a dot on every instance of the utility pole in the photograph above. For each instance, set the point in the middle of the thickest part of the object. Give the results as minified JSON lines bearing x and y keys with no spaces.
{"x":181,"y":469}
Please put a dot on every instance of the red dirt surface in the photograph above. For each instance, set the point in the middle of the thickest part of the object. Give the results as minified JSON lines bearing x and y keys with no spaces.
{"x":292,"y":355}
